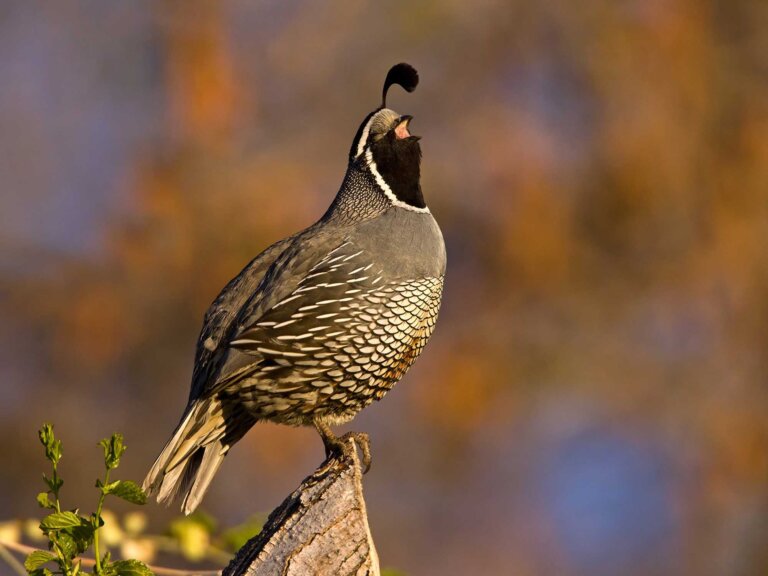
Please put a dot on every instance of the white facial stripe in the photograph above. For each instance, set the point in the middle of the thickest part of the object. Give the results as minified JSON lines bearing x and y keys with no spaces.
{"x":364,"y":136}
{"x":385,"y":187}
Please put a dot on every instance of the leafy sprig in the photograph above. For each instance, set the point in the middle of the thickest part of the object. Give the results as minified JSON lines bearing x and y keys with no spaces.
{"x":70,"y":534}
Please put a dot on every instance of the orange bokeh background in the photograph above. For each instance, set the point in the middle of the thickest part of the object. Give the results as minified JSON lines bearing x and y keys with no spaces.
{"x":594,"y":399}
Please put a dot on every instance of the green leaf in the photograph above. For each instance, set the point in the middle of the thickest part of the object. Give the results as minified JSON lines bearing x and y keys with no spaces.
{"x":53,"y":484}
{"x":43,"y":501}
{"x":60,"y":520}
{"x":82,"y":536}
{"x":131,"y":568}
{"x":106,"y":488}
{"x":127,"y":490}
{"x":48,"y":440}
{"x":45,"y":434}
{"x":37,"y":559}
{"x":68,"y":545}
{"x":76,"y":540}
{"x":113,"y":450}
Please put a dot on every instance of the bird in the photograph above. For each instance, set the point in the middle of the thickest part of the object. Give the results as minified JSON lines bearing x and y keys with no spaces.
{"x":321,"y":323}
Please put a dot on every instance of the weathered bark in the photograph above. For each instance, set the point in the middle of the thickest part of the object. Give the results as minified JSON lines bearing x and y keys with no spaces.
{"x":322,"y":528}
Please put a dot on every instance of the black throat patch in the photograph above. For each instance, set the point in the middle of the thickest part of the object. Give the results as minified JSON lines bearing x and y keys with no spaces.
{"x":399,"y":163}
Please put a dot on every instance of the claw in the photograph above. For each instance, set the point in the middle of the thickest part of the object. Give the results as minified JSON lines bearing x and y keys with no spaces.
{"x":362,"y":441}
{"x":340,"y":447}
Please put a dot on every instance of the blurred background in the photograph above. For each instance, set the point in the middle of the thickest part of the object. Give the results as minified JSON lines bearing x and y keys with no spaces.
{"x":594,"y":399}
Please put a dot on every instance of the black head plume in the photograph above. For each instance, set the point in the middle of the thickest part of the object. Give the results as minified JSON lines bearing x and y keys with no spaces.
{"x":403,"y":74}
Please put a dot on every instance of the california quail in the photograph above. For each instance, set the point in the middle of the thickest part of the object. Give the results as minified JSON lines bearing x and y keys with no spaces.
{"x":322,"y":323}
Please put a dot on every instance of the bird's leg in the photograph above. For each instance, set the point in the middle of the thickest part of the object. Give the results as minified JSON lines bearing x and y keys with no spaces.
{"x":340,"y":446}
{"x":332,"y":444}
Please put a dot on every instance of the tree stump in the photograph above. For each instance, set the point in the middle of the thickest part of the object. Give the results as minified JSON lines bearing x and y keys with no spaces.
{"x":321,"y":528}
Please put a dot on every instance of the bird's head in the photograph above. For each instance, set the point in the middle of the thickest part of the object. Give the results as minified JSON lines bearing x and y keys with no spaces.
{"x":385,"y":148}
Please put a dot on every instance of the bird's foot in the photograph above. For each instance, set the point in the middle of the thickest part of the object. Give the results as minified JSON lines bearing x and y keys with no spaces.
{"x":342,"y":448}
{"x":362,"y":441}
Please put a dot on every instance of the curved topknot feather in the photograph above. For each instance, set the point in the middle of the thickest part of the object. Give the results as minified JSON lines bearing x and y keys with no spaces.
{"x":403,"y":74}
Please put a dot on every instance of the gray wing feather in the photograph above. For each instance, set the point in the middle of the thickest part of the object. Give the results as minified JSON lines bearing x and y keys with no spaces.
{"x":269,"y":278}
{"x":287,"y":272}
{"x":223,"y":311}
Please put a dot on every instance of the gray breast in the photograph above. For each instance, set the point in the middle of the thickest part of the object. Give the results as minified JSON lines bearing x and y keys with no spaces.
{"x":406,"y":244}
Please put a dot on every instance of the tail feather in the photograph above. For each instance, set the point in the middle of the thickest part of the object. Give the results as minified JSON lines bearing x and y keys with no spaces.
{"x":159,"y":469}
{"x":206,"y":467}
{"x":192,"y":456}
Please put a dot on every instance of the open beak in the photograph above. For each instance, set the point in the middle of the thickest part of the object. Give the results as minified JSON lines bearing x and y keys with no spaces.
{"x":401,"y":129}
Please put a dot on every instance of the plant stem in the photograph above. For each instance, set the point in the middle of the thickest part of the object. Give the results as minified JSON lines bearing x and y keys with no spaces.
{"x":56,"y":483}
{"x":97,"y":521}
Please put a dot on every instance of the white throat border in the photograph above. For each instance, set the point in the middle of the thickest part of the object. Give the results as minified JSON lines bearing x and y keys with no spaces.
{"x":386,"y":189}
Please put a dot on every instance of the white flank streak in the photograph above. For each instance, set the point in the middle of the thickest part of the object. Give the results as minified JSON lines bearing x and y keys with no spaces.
{"x":286,"y":301}
{"x":352,"y":255}
{"x":244,"y":341}
{"x":280,"y":352}
{"x":268,"y":350}
{"x":313,"y":275}
{"x":299,"y":337}
{"x":387,"y":190}
{"x":332,"y":260}
{"x":338,"y":248}
{"x":282,"y":324}
{"x":293,"y":354}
